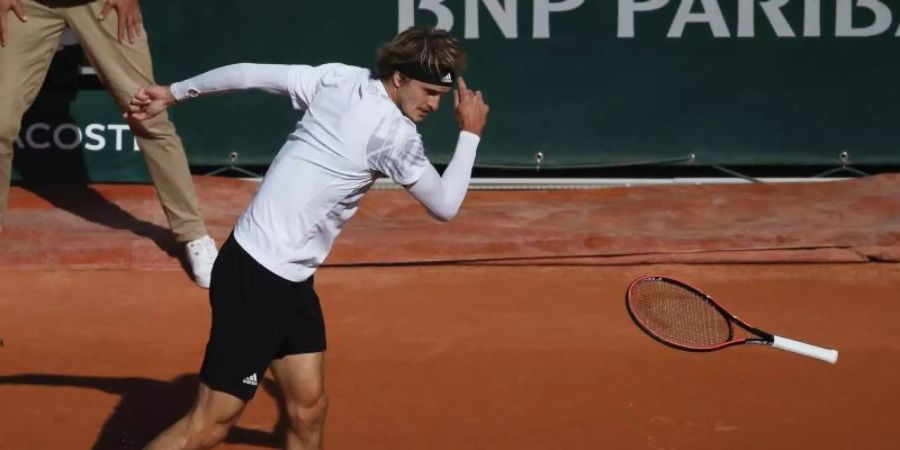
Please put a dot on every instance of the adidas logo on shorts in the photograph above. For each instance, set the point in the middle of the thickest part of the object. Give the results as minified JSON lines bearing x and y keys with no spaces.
{"x":251,"y":380}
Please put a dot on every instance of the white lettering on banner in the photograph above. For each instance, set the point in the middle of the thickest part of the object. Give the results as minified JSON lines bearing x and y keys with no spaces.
{"x":772,"y":9}
{"x":542,"y":10}
{"x":408,"y":13}
{"x":92,"y":132}
{"x":876,"y":14}
{"x":746,"y":18}
{"x":505,"y":14}
{"x":29,"y":136}
{"x":627,"y":8}
{"x":844,"y":20}
{"x":118,"y":129}
{"x":68,"y":136}
{"x":504,"y":17}
{"x":812,"y":18}
{"x":711,"y":15}
{"x":57,"y":136}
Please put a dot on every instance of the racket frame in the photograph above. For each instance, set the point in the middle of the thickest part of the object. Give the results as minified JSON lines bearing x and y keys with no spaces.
{"x":763,"y":338}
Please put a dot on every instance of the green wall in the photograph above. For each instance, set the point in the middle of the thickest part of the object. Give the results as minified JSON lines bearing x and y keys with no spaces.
{"x":583,"y":90}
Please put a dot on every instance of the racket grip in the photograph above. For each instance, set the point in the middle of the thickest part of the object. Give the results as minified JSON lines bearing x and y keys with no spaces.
{"x":824,"y":354}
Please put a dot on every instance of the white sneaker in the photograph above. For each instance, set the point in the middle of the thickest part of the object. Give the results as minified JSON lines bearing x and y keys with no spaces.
{"x":201,"y":253}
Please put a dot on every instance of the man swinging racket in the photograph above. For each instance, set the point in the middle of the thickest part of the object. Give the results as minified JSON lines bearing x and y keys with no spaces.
{"x":358,"y":125}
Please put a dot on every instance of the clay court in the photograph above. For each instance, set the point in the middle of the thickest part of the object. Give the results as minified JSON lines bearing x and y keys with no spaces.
{"x":504,"y":329}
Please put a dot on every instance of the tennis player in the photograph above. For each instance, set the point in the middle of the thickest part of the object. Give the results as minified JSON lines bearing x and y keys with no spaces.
{"x":358,"y":125}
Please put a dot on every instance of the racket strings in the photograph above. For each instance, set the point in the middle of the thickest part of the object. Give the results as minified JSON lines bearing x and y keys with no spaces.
{"x":678,"y":315}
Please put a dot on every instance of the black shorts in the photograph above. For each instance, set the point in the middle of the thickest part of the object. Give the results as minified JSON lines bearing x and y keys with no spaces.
{"x":257,"y":317}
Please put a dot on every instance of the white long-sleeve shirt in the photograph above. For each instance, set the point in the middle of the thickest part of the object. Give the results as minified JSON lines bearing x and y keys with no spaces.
{"x":352,"y":133}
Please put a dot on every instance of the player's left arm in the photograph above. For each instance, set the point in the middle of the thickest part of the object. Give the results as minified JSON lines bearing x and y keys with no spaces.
{"x":443,"y":195}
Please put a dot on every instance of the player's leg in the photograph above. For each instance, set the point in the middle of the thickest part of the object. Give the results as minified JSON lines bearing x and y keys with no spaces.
{"x":302,"y":382}
{"x":246,"y":333}
{"x":205,"y":426}
{"x":299,"y":368}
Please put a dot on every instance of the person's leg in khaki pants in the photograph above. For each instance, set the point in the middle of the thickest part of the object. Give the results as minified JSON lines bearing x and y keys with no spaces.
{"x":24,"y":62}
{"x":124,"y":67}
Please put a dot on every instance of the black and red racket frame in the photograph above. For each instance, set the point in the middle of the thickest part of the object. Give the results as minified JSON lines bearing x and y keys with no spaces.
{"x":763,"y":339}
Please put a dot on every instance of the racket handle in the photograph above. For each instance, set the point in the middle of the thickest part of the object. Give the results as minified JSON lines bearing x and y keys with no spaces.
{"x":804,"y":349}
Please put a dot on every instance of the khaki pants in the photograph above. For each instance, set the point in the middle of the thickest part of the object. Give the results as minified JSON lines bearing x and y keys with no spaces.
{"x":122,"y":67}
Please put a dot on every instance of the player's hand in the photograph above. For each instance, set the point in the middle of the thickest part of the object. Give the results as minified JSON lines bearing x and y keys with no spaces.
{"x":130,"y":19}
{"x":5,"y":7}
{"x":471,"y":110}
{"x":149,"y":102}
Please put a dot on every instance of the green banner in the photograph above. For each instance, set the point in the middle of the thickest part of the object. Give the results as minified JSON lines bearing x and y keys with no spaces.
{"x":585,"y":83}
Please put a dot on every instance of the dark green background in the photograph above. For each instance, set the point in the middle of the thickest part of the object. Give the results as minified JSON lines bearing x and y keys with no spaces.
{"x":584,"y":97}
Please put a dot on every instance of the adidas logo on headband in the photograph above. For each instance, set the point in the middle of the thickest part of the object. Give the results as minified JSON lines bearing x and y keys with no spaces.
{"x":415,"y":71}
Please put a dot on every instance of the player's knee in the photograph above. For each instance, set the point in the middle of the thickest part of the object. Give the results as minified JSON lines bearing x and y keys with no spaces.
{"x":308,"y":415}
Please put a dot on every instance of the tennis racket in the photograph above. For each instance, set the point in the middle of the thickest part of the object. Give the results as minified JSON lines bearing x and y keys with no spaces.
{"x":684,"y":318}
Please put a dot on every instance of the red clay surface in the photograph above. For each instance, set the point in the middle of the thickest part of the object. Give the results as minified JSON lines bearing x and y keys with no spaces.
{"x":103,"y":333}
{"x":473,"y":357}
